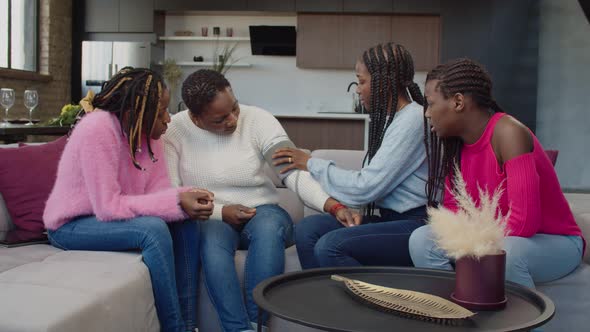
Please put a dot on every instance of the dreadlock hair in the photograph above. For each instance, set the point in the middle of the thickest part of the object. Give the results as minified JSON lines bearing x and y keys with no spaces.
{"x":469,"y":78}
{"x":200,"y":87}
{"x":134,"y":95}
{"x":392,"y":70}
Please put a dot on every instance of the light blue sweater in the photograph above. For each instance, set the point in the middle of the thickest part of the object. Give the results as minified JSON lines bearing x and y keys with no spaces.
{"x":395,"y":178}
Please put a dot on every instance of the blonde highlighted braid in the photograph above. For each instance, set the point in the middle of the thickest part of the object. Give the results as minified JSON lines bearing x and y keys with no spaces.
{"x":134,"y":94}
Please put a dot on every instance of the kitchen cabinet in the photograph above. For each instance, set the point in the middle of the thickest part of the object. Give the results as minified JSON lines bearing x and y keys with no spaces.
{"x":417,"y":7}
{"x":336,"y":41}
{"x":102,"y":16}
{"x":367,"y":6}
{"x":182,"y":5}
{"x":119,"y":16}
{"x":317,"y":6}
{"x":359,"y":32}
{"x":316,"y":132}
{"x":272,"y":5}
{"x":319,"y":41}
{"x":420,"y":35}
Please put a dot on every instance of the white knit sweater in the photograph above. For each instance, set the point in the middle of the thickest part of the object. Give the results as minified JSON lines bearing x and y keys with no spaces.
{"x":232,"y":166}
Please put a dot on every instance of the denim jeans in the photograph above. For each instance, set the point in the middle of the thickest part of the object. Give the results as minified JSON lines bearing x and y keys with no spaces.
{"x":170,"y":252}
{"x":380,"y":241}
{"x":265,"y":236}
{"x":539,"y":258}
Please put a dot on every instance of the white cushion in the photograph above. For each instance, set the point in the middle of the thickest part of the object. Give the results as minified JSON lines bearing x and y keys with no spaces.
{"x":46,"y":289}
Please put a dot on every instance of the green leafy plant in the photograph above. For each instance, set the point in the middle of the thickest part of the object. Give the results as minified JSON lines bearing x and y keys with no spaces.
{"x":172,"y":73}
{"x":68,"y":116}
{"x":222,"y":60}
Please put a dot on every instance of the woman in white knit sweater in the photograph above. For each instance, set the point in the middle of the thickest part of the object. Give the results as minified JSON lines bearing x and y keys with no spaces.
{"x":221,"y":145}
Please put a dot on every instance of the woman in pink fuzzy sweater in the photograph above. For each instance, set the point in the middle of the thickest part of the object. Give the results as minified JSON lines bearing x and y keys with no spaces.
{"x":494,"y":150}
{"x":112,"y":194}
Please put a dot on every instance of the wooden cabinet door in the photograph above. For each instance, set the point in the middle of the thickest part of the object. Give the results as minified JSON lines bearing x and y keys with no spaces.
{"x":319,"y":41}
{"x":421,"y":37}
{"x":102,"y":16}
{"x":367,"y":6}
{"x":416,"y":7}
{"x":360,"y":32}
{"x":317,"y":6}
{"x":136,"y":16}
{"x":272,"y":5}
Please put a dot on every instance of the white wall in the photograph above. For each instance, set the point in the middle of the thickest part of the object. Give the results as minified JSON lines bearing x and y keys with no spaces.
{"x":273,"y":82}
{"x":563,"y":112}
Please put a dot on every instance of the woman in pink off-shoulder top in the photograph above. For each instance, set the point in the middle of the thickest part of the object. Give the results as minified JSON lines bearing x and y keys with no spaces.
{"x":493,"y":149}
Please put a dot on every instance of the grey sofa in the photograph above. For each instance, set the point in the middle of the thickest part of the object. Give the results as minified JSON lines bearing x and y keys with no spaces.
{"x":45,"y":289}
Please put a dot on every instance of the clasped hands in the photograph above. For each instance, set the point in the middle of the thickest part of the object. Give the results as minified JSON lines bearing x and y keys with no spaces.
{"x":197,"y":203}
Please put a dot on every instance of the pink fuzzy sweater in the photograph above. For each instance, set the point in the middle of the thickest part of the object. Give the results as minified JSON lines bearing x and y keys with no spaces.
{"x":532,"y":191}
{"x":95,"y":176}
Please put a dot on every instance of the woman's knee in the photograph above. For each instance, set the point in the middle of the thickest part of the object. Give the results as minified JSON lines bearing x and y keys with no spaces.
{"x":327,"y":244}
{"x":277,"y":227}
{"x":312,"y":226}
{"x":420,"y":241}
{"x":154,"y":229}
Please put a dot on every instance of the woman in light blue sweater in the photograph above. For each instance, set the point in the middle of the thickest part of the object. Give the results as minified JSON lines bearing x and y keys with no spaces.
{"x":393,"y":177}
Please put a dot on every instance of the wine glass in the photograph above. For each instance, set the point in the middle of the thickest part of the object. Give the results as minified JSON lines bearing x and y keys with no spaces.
{"x":6,"y":100}
{"x":31,"y":101}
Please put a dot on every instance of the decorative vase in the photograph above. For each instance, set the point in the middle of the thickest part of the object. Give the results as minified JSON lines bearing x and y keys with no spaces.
{"x":479,"y":283}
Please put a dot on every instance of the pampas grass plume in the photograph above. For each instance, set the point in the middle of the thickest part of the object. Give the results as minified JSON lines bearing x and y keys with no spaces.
{"x":473,"y":231}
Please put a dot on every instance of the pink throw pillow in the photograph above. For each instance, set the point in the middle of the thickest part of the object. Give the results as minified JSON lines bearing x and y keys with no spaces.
{"x":27,"y":175}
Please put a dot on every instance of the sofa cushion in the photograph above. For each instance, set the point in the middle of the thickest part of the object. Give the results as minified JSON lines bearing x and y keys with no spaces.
{"x":27,"y":175}
{"x":46,"y":289}
{"x":571,"y":296}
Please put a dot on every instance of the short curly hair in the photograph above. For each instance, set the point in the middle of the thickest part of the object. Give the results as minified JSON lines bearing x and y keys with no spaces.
{"x":200,"y":87}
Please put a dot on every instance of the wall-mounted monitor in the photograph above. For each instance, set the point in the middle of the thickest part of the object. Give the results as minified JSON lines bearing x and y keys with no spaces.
{"x":273,"y":40}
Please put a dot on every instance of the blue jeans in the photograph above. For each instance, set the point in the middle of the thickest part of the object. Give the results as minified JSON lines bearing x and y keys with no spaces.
{"x":323,"y":242}
{"x":540,"y":258}
{"x":265,"y":236}
{"x":170,"y":252}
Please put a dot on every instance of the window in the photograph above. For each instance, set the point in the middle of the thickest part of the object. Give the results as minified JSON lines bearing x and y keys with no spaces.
{"x":18,"y":36}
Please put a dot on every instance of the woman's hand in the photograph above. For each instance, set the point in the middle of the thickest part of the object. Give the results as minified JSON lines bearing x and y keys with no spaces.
{"x":237,"y":215}
{"x":197,"y":203}
{"x":293,"y":158}
{"x":348,"y":217}
{"x":345,"y":215}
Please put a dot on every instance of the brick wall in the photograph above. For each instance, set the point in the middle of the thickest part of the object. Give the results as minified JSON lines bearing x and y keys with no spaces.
{"x":55,"y":52}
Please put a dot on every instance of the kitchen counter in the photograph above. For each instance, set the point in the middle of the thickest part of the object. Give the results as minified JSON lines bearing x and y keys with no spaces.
{"x":348,"y":131}
{"x":325,"y":115}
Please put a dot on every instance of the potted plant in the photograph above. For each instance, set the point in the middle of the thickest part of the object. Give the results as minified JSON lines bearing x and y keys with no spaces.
{"x":68,"y":116}
{"x":473,"y":236}
{"x":171,"y":73}
{"x":222,"y":60}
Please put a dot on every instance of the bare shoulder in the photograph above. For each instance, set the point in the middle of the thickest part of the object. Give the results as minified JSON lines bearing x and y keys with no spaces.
{"x":511,"y":139}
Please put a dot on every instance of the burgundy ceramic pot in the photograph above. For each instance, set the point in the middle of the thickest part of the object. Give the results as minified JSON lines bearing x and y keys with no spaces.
{"x":479,"y":283}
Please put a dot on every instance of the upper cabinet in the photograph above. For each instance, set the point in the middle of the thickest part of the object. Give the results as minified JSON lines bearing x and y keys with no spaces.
{"x":272,"y":5}
{"x":417,"y":7}
{"x":119,"y":16}
{"x":316,"y":6}
{"x":178,"y":5}
{"x":336,"y":41}
{"x":367,"y":6}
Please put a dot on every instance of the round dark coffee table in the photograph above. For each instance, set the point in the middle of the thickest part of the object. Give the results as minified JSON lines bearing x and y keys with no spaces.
{"x":311,"y":298}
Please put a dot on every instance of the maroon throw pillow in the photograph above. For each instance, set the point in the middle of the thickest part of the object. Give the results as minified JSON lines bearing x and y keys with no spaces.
{"x":27,"y":175}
